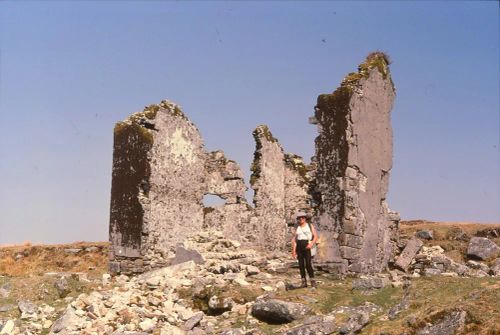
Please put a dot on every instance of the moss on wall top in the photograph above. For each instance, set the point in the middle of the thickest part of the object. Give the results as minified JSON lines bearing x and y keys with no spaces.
{"x":378,"y":60}
{"x":144,"y":121}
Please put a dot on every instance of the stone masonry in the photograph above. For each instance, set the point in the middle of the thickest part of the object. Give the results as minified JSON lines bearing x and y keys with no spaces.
{"x":268,"y":183}
{"x":157,"y":186}
{"x":354,"y":158}
{"x":161,"y":172}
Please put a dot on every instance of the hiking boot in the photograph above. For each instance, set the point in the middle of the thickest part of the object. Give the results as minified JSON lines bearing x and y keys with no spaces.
{"x":313,"y":283}
{"x":304,"y":283}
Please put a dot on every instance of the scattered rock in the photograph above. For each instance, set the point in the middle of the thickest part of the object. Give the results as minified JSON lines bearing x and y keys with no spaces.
{"x":370,"y":283}
{"x":6,"y":308}
{"x":495,"y":268}
{"x":450,"y":324}
{"x":193,"y":321}
{"x":425,"y":234}
{"x":7,"y":328}
{"x":72,"y":251}
{"x":185,"y":255}
{"x":355,"y":323}
{"x":482,"y":248}
{"x":478,"y":266}
{"x":28,"y":309}
{"x":409,"y":252}
{"x":317,"y":326}
{"x":62,"y":287}
{"x":5,"y":290}
{"x":277,"y":311}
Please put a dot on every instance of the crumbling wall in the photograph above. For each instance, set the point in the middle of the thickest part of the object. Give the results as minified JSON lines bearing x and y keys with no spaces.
{"x":224,"y":178}
{"x":354,"y":158}
{"x":297,"y":178}
{"x":158,"y":187}
{"x":268,"y":183}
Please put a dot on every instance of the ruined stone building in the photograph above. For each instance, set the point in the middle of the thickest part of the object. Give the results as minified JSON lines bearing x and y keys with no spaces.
{"x":161,"y":172}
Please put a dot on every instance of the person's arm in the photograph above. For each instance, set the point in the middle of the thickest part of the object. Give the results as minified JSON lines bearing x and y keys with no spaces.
{"x":294,"y":246}
{"x":315,"y":237}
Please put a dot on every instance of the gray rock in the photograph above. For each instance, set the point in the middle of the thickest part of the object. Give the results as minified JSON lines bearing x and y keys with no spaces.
{"x":478,"y":266}
{"x":425,"y":234}
{"x":185,"y":255}
{"x":5,"y":290}
{"x":62,"y":287}
{"x":27,"y":307}
{"x":482,"y":248}
{"x":6,"y":308}
{"x":409,"y":252}
{"x":67,"y":321}
{"x":277,"y":311}
{"x":370,"y":283}
{"x":322,"y":326}
{"x":495,"y":268}
{"x":73,"y":251}
{"x":355,"y":323}
{"x":193,"y":321}
{"x":450,"y":324}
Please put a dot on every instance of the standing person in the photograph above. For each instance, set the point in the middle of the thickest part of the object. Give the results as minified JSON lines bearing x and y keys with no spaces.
{"x":303,"y":240}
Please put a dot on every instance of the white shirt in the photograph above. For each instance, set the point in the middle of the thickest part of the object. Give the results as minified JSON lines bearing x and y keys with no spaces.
{"x":304,"y":233}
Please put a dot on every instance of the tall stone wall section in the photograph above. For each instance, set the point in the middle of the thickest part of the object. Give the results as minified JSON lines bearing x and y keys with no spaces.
{"x":297,"y":182}
{"x":268,"y":182}
{"x":354,"y":158}
{"x":157,"y":187}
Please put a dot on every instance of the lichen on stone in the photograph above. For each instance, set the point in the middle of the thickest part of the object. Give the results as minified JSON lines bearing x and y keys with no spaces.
{"x":376,"y":59}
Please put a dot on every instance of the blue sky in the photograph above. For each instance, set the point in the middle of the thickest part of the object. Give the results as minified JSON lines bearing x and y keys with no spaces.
{"x":70,"y":70}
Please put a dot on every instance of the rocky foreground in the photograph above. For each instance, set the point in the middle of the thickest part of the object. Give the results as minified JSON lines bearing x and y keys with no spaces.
{"x":214,"y":286}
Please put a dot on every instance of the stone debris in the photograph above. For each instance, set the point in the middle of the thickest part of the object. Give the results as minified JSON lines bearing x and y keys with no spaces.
{"x":369,"y":283}
{"x":62,"y":287}
{"x":495,"y":268}
{"x":409,"y":252}
{"x":275,"y":311}
{"x":482,"y":248}
{"x":452,"y":323}
{"x":425,"y":234}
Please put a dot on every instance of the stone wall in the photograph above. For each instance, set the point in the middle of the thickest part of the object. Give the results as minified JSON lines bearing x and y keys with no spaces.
{"x":268,"y":183}
{"x":161,"y":172}
{"x":224,"y":178}
{"x":157,"y":188}
{"x":354,"y":158}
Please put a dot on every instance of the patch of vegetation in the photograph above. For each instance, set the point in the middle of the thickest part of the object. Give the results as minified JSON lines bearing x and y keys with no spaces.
{"x":378,"y":60}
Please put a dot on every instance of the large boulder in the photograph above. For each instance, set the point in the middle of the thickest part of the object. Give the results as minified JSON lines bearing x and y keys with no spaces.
{"x":277,"y":311}
{"x":482,"y":248}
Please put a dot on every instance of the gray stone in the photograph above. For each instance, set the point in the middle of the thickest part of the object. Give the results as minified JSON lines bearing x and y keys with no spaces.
{"x":185,"y":255}
{"x":409,"y":252}
{"x":320,"y":327}
{"x":495,"y":268}
{"x":450,"y":324}
{"x":370,"y":283}
{"x":268,"y":182}
{"x":157,"y":186}
{"x":354,"y":159}
{"x":193,"y":321}
{"x":425,"y":234}
{"x":482,"y":248}
{"x":62,"y":287}
{"x":277,"y":312}
{"x":27,"y":307}
{"x":6,"y":308}
{"x":478,"y":266}
{"x":5,"y":290}
{"x":355,"y":323}
{"x":73,"y":251}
